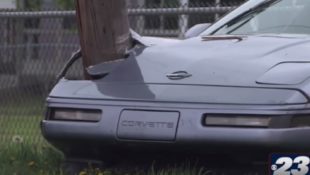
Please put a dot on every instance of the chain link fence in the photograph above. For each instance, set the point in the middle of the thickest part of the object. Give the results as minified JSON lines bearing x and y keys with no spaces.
{"x":34,"y":45}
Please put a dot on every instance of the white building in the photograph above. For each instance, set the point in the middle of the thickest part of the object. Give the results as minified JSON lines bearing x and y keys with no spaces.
{"x":8,"y":4}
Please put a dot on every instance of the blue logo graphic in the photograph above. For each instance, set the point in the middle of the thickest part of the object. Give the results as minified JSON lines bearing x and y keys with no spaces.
{"x":290,"y":164}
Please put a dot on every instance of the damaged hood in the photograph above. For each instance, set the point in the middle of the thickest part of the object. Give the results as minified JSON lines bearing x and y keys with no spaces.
{"x":246,"y":62}
{"x":254,"y":70}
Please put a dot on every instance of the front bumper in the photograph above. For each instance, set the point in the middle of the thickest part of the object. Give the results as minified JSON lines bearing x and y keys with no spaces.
{"x":97,"y":140}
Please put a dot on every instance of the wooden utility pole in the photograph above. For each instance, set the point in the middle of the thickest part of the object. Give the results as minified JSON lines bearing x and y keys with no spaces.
{"x":104,"y":30}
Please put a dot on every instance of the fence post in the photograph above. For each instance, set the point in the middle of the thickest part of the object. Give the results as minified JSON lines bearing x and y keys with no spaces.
{"x":19,"y":54}
{"x":183,"y":19}
{"x":104,"y":30}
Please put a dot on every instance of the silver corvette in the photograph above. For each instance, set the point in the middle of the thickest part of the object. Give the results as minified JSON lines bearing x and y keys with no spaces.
{"x":239,"y":85}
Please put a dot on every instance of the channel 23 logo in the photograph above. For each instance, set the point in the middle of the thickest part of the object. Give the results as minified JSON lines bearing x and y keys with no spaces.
{"x":290,"y":164}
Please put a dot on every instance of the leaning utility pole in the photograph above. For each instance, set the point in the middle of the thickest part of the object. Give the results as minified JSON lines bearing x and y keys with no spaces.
{"x":104,"y":30}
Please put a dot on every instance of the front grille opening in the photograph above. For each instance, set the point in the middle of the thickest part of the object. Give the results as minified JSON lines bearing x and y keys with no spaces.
{"x":300,"y":121}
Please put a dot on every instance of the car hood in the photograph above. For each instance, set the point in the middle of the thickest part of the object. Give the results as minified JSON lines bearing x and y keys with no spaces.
{"x":254,"y":70}
{"x":151,"y":41}
{"x":219,"y":62}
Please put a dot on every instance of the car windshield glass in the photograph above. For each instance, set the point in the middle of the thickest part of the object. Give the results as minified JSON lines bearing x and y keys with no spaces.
{"x":274,"y":17}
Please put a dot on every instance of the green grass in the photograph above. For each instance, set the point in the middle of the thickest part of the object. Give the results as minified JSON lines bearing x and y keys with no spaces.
{"x":181,"y":170}
{"x":16,"y":129}
{"x":25,"y":159}
{"x":21,"y":105}
{"x":20,"y":120}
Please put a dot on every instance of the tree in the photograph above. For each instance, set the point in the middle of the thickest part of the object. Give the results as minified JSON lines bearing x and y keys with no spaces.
{"x":66,"y":4}
{"x":28,"y":4}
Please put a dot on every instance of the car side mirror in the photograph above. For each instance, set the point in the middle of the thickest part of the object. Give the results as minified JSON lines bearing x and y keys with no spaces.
{"x":196,"y":30}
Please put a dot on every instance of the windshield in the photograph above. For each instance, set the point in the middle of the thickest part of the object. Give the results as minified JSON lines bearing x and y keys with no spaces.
{"x":271,"y":17}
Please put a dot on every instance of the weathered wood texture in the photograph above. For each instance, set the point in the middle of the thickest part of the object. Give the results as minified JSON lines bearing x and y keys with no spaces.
{"x":104,"y":30}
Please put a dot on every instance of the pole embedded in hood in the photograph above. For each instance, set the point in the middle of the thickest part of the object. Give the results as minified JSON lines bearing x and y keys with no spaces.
{"x":104,"y":30}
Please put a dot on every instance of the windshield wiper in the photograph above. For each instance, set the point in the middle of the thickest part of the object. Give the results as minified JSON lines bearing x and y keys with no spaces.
{"x":240,"y":25}
{"x":259,"y":7}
